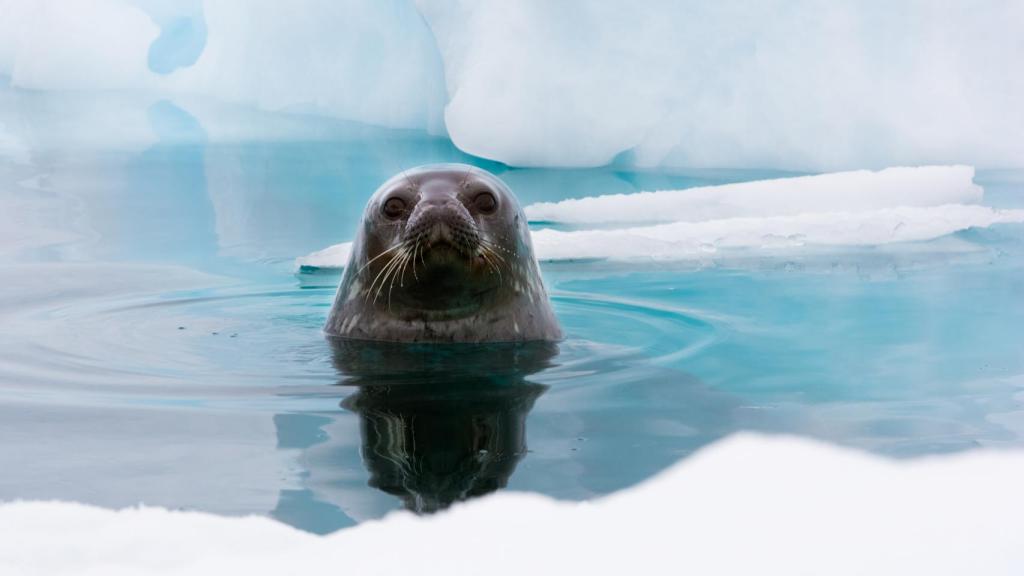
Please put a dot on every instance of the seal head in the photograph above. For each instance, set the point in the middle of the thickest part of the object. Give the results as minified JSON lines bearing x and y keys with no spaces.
{"x":443,"y":254}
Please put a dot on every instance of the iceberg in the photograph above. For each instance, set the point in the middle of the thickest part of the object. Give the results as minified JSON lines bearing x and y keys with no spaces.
{"x":793,"y":506}
{"x":364,"y":60}
{"x":89,"y":45}
{"x":801,"y":85}
{"x":786,"y":84}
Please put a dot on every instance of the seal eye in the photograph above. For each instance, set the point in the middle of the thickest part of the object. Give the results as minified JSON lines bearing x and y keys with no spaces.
{"x":394,"y":207}
{"x":485,"y":202}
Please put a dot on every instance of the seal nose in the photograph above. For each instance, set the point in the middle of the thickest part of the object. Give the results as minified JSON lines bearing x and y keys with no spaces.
{"x":442,"y":219}
{"x":438,"y":232}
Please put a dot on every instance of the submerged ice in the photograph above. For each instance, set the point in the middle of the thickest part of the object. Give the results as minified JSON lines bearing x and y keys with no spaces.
{"x":779,"y":84}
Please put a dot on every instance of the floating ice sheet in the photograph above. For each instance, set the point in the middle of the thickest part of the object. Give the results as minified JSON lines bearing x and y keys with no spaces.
{"x":687,"y":240}
{"x":842,"y":209}
{"x":857,"y":191}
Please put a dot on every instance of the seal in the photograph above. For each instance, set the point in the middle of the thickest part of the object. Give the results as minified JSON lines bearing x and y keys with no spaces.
{"x":443,"y":254}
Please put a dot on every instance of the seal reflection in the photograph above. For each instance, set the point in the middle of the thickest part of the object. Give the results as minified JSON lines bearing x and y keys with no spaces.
{"x":441,"y":423}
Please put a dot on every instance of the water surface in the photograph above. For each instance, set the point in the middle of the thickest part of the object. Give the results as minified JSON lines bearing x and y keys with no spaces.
{"x":158,"y":347}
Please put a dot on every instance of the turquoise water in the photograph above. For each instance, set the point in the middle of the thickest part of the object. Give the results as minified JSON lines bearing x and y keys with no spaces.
{"x":158,"y":346}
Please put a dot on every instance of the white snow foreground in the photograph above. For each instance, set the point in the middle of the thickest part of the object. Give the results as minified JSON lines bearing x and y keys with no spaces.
{"x":860,"y":208}
{"x":748,"y":504}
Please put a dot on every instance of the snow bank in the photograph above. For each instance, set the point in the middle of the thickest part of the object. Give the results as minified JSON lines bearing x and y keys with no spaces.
{"x":748,"y":504}
{"x":843,"y":209}
{"x":799,"y":84}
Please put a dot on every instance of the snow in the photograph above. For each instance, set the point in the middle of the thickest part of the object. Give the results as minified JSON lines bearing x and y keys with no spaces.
{"x":861,"y":208}
{"x":747,"y":504}
{"x":790,"y":84}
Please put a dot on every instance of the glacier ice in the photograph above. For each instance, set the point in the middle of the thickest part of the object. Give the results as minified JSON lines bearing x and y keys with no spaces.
{"x":781,"y":83}
{"x":792,"y":84}
{"x":375,"y":62}
{"x":372,"y":61}
{"x":182,"y":33}
{"x":83,"y":45}
{"x":813,"y":509}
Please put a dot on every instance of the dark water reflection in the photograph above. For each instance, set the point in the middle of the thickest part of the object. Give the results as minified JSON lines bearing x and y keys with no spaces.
{"x":441,"y":424}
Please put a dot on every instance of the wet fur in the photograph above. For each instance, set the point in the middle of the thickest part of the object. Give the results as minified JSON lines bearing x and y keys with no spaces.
{"x":444,"y":271}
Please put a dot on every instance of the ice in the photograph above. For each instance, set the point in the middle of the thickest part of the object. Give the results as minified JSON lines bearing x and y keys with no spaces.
{"x":790,"y":84}
{"x":768,"y":236}
{"x":764,"y":217}
{"x":83,"y":45}
{"x":335,"y":256}
{"x":374,"y":62}
{"x":791,"y":506}
{"x":837,"y":192}
{"x":690,"y":240}
{"x":803,"y":84}
{"x":182,"y":33}
{"x":363,"y":60}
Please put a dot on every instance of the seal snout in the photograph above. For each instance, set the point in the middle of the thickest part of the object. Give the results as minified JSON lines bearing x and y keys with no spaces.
{"x":448,"y":224}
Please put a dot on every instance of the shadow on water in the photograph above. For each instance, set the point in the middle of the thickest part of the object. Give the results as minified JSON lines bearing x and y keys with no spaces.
{"x":441,"y":424}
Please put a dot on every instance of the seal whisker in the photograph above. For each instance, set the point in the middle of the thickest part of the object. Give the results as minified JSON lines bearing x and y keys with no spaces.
{"x":415,"y":249}
{"x":409,"y":255}
{"x":392,"y":265}
{"x":386,"y":271}
{"x":395,"y":274}
{"x":493,"y":246}
{"x":369,"y":289}
{"x":488,"y":256}
{"x":384,"y":253}
{"x":499,"y":260}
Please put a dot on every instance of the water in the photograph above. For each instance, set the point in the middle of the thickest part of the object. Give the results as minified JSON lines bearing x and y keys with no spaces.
{"x":158,"y":347}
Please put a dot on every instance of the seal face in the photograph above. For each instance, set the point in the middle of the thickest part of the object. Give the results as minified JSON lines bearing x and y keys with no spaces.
{"x":443,"y":254}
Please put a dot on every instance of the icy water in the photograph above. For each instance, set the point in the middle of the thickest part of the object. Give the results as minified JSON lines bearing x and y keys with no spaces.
{"x":158,"y":346}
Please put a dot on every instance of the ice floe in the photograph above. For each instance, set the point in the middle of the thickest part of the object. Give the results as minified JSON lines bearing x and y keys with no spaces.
{"x":856,"y":191}
{"x":861,"y":208}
